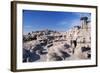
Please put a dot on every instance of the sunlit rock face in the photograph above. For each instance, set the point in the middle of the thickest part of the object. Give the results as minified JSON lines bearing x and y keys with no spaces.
{"x":49,"y":45}
{"x":59,"y":52}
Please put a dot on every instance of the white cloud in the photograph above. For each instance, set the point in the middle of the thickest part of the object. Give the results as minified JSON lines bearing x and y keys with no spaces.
{"x":70,"y":24}
{"x":75,"y":22}
{"x":64,"y":22}
{"x":27,"y":26}
{"x":27,"y":29}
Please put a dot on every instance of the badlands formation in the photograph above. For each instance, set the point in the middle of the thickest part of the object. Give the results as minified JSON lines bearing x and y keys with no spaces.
{"x":49,"y":45}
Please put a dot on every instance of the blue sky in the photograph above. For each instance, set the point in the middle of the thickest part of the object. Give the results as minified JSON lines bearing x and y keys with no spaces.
{"x":60,"y":21}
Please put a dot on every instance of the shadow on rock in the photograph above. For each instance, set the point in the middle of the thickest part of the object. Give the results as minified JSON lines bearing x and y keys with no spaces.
{"x":30,"y":56}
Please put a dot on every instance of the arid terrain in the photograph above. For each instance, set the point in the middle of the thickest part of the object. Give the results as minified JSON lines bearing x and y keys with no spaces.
{"x":50,"y":45}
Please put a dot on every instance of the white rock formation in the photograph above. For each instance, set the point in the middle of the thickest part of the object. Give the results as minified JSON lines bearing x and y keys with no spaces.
{"x":56,"y":43}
